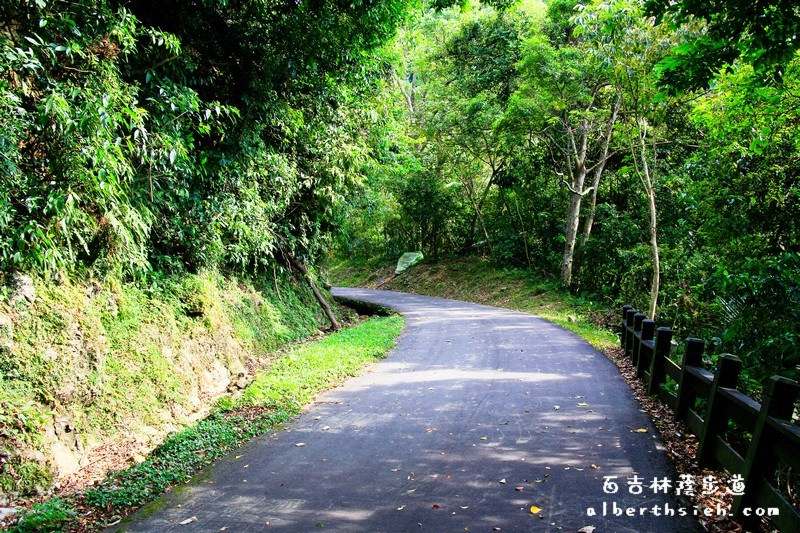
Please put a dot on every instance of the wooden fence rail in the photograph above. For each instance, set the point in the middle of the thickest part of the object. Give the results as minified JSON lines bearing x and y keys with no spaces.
{"x":765,"y":436}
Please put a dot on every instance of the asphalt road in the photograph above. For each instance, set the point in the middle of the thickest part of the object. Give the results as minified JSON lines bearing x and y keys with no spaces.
{"x":477,"y":415}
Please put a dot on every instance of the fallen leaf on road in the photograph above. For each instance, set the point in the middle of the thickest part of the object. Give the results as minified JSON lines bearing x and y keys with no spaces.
{"x":535,"y":510}
{"x":188,"y":521}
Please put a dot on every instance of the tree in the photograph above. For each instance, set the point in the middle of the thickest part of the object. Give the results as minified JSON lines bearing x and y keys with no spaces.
{"x":762,"y":34}
{"x":624,"y":36}
{"x":568,"y":101}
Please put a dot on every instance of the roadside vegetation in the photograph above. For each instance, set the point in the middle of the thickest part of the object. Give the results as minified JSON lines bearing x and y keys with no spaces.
{"x":169,"y":180}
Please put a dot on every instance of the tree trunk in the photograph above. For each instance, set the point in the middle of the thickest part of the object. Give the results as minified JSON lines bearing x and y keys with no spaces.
{"x":478,"y":206}
{"x":573,"y":217}
{"x":521,"y":224}
{"x":524,"y":233}
{"x":656,"y":283}
{"x":650,"y":190}
{"x":598,"y":172}
{"x":578,"y":177}
{"x":323,"y":303}
{"x":409,"y":97}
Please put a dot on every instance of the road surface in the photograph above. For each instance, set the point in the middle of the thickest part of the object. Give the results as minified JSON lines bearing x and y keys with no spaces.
{"x":478,"y":417}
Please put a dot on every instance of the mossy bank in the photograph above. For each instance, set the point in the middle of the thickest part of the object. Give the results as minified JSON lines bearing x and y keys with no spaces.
{"x":97,"y":368}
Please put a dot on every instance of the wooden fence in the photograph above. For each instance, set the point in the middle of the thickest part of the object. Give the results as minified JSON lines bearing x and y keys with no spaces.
{"x":709,"y":404}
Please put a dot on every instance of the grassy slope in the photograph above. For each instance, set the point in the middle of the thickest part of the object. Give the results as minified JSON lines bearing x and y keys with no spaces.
{"x":475,"y":280}
{"x":276,"y":394}
{"x":89,"y":363}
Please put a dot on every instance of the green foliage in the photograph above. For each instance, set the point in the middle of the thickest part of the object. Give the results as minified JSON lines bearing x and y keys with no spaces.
{"x":24,"y":476}
{"x":762,"y":34}
{"x":53,"y":515}
{"x":182,"y":136}
{"x":759,"y":305}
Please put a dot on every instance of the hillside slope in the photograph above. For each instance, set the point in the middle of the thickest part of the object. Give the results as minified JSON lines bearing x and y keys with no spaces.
{"x":476,"y":280}
{"x":94,"y":373}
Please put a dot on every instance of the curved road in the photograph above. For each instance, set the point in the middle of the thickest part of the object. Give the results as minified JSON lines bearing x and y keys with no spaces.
{"x":477,"y":415}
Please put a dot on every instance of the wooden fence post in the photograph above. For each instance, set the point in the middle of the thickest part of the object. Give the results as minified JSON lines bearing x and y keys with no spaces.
{"x":780,"y":396}
{"x":663,"y":347}
{"x":693,"y":356}
{"x":623,"y":338}
{"x":648,"y":333}
{"x":637,"y":332}
{"x":629,"y":319}
{"x":714,"y":423}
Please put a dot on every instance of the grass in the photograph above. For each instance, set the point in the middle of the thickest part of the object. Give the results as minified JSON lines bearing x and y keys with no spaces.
{"x":297,"y":377}
{"x":476,"y":280}
{"x":275,"y":395}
